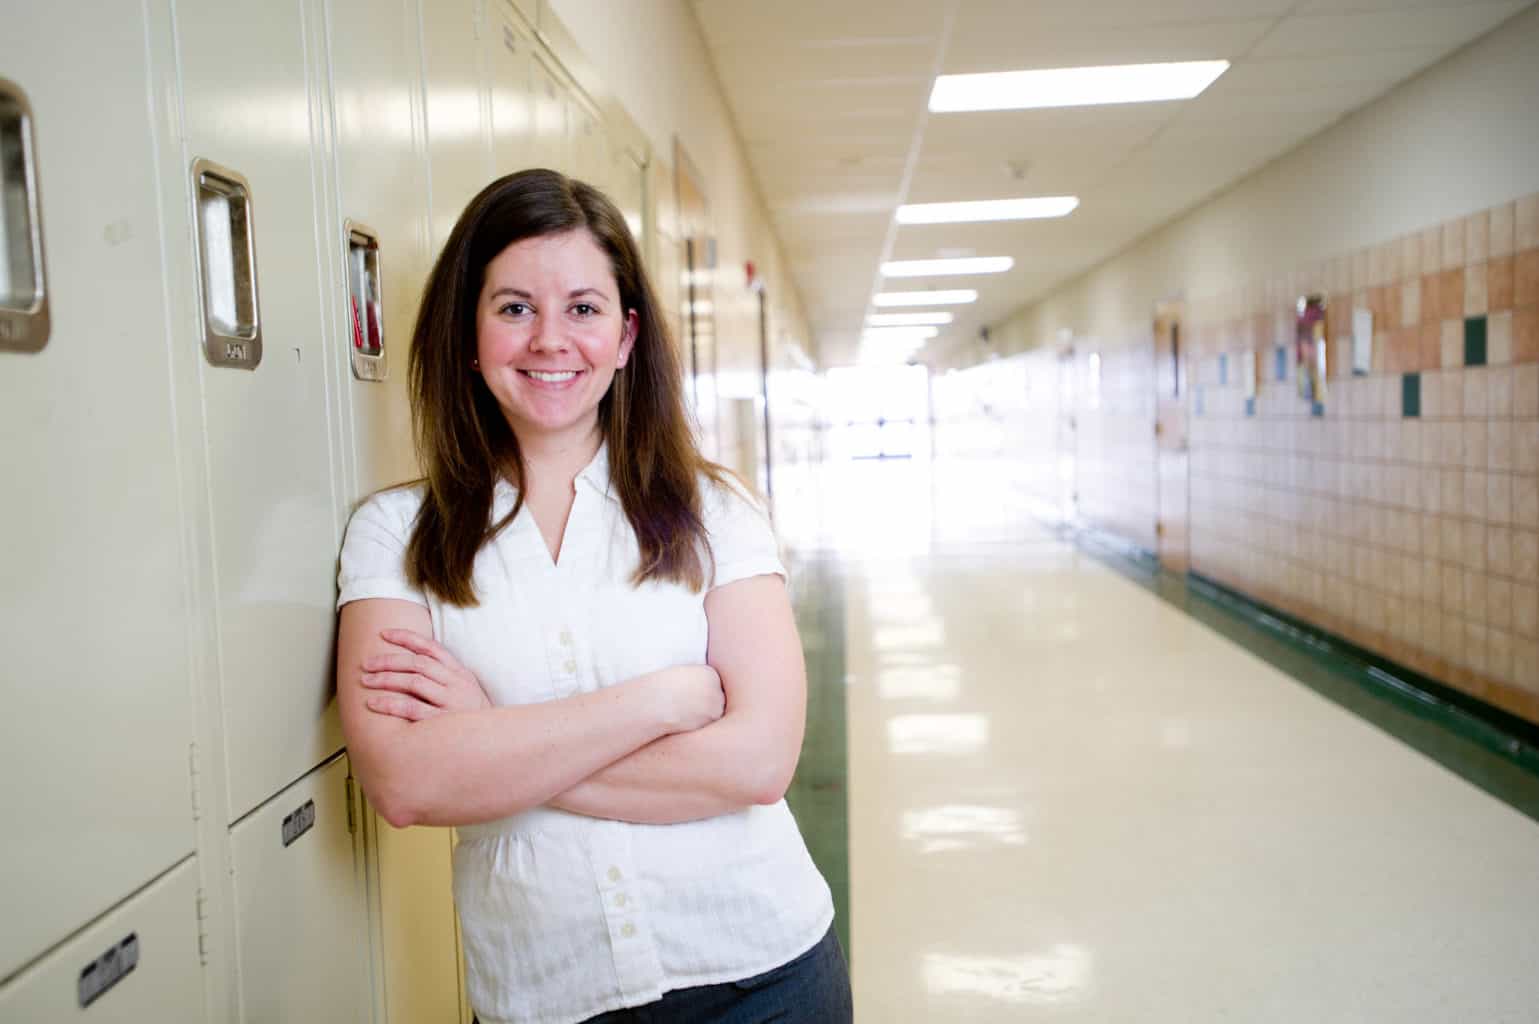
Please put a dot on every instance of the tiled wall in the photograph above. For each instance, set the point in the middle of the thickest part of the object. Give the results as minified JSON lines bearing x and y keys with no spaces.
{"x":1403,"y":513}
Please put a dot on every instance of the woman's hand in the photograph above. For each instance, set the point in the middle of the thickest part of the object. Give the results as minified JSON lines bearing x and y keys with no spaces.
{"x":419,"y":680}
{"x":695,"y":694}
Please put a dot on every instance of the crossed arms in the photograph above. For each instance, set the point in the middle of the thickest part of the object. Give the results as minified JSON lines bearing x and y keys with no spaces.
{"x":688,"y":742}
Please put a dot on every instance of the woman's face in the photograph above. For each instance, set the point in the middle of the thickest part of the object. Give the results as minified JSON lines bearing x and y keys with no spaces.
{"x":550,"y":334}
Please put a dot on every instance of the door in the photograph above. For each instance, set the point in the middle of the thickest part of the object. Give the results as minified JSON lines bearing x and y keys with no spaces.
{"x":1172,"y":445}
{"x":699,"y":313}
{"x":1068,"y":441}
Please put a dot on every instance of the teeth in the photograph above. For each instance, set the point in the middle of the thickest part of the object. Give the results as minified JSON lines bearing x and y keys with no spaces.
{"x":553,"y":378}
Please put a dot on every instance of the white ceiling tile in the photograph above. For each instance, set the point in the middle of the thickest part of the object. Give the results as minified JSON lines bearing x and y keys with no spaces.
{"x":1367,"y":32}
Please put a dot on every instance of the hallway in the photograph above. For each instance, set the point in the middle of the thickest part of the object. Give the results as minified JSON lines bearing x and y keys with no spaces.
{"x":1069,"y":799}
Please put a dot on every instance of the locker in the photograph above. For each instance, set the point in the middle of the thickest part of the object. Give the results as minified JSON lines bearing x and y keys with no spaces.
{"x":249,"y":97}
{"x":138,"y":962}
{"x":414,"y":876}
{"x":95,"y":620}
{"x":509,"y":61}
{"x":300,"y":913}
{"x":552,"y":139}
{"x":589,"y":161}
{"x":627,"y":187}
{"x":379,"y":232}
{"x":458,"y":130}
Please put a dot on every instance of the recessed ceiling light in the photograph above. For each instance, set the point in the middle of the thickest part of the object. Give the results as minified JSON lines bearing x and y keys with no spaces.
{"x":1074,"y":87}
{"x":942,"y":268}
{"x":987,"y":209}
{"x":959,"y":297}
{"x":899,"y":335}
{"x":908,"y":319}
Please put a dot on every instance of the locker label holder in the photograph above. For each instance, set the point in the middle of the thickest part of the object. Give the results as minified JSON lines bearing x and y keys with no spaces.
{"x":298,"y":823}
{"x":107,"y":970}
{"x":24,"y":321}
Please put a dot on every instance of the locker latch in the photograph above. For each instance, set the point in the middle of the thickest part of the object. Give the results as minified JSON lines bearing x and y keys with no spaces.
{"x":23,"y":290}
{"x":352,"y":812}
{"x":366,"y":302}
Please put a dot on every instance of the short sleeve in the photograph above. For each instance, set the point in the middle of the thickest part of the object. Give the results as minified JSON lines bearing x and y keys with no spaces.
{"x":373,"y":562}
{"x":742,"y":541}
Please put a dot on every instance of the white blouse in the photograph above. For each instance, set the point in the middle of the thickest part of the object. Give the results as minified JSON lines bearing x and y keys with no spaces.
{"x":564,"y":917}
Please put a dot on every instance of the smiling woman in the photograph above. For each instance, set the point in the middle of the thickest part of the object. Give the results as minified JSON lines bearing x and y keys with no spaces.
{"x":573,"y":641}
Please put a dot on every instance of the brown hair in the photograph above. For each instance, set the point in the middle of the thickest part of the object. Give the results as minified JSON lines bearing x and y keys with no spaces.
{"x":463,"y":441}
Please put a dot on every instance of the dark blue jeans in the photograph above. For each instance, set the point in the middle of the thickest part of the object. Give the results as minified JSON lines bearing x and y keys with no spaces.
{"x":812,"y":989}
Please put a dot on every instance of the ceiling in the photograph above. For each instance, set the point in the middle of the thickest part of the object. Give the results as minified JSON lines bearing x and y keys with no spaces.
{"x":830,"y":99}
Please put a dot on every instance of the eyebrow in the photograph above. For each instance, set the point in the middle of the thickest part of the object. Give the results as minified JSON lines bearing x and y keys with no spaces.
{"x":521,"y":294}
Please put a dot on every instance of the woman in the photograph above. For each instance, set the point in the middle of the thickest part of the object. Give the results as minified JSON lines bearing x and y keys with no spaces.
{"x":573,"y":641}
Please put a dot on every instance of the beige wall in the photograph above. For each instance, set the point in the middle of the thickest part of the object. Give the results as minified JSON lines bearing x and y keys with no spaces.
{"x":1461,"y":137}
{"x":654,"y":60}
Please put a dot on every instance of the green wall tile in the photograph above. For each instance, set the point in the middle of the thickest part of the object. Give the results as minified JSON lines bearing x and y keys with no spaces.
{"x":1410,"y":395}
{"x":1475,"y":341}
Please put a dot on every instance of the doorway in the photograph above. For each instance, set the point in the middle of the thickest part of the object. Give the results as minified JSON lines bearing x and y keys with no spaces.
{"x":1172,"y":442}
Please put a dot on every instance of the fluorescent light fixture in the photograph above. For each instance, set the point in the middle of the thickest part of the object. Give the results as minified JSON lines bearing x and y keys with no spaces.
{"x":960,"y":297}
{"x":896,"y":335}
{"x":942,"y":268}
{"x":987,"y":209}
{"x":908,"y":319}
{"x":1075,"y":87}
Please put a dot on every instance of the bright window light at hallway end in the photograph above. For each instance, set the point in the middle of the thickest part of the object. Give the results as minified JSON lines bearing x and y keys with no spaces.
{"x":1074,"y":87}
{"x":958,"y":297}
{"x":936,"y":319}
{"x":942,"y":268}
{"x":899,"y":335}
{"x":1026,"y":208}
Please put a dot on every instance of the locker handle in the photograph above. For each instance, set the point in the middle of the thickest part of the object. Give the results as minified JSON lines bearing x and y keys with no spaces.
{"x":24,"y":323}
{"x":227,"y":277}
{"x":366,"y":302}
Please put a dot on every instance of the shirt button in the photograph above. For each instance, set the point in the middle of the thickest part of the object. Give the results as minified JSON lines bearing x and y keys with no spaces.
{"x":620,"y":900}
{"x":628,"y":931}
{"x":614,"y":874}
{"x":566,"y":638}
{"x":570,"y":667}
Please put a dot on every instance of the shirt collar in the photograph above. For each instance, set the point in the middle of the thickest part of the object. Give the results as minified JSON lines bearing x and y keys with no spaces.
{"x":596,"y":473}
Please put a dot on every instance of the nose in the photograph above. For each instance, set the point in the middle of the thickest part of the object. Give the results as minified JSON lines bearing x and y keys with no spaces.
{"x":547,"y":335}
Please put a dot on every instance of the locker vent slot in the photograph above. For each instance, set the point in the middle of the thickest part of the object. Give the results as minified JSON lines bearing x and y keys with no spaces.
{"x":366,"y":313}
{"x":23,"y":293}
{"x":107,"y":970}
{"x":232,"y":332}
{"x":298,"y":823}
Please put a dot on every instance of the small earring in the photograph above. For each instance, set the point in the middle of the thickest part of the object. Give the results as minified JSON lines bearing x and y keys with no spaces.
{"x":475,"y":364}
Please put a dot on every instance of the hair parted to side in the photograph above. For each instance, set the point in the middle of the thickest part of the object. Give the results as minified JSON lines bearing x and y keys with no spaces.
{"x":463,"y":441}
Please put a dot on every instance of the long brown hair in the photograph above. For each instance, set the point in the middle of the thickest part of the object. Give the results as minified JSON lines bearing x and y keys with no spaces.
{"x":463,"y":441}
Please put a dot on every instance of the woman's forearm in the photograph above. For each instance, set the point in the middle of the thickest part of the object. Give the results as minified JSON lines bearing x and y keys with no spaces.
{"x":683,"y":777}
{"x":468,"y":767}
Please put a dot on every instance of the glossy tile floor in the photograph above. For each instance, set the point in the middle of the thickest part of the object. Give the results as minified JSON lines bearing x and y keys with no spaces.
{"x":1070,"y":800}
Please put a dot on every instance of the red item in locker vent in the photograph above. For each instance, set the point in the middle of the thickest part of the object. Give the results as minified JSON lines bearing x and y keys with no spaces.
{"x":357,"y":327}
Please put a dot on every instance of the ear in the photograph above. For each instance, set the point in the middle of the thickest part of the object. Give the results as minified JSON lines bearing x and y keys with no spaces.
{"x":628,"y":339}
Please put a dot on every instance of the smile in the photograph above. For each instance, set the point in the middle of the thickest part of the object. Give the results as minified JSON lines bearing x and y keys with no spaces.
{"x":551,"y":377}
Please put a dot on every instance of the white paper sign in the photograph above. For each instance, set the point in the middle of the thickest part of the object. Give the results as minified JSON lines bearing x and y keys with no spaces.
{"x":1362,"y":341}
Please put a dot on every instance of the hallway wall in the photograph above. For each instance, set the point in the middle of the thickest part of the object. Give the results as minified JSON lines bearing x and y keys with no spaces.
{"x":1402,"y":513}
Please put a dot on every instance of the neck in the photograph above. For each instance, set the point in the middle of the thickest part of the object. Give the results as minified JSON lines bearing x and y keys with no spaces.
{"x":554,"y":460}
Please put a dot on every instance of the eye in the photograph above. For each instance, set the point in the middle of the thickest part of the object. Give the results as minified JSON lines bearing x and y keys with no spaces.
{"x":585,"y":309}
{"x":513,"y":308}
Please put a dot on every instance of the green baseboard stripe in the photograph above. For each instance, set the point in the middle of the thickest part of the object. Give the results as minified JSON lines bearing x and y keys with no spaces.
{"x":1488,"y":747}
{"x":1499,"y":730}
{"x":1094,"y":536}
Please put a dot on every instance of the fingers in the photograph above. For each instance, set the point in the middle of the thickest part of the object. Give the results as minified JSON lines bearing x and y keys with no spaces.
{"x":402,"y":662}
{"x":429,"y":690}
{"x":419,"y":644}
{"x":397,"y":705}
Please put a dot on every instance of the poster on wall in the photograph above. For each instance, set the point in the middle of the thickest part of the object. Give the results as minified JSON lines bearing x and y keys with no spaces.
{"x":1309,"y":348}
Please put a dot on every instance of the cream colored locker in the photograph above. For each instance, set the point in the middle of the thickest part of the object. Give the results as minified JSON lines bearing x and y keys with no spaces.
{"x":590,"y":161}
{"x":299,"y":907}
{"x":627,"y":187}
{"x":95,"y":738}
{"x":379,"y":232}
{"x":250,"y":102}
{"x":380,"y":223}
{"x":138,"y":963}
{"x":458,"y":109}
{"x":509,"y":61}
{"x":552,"y":139}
